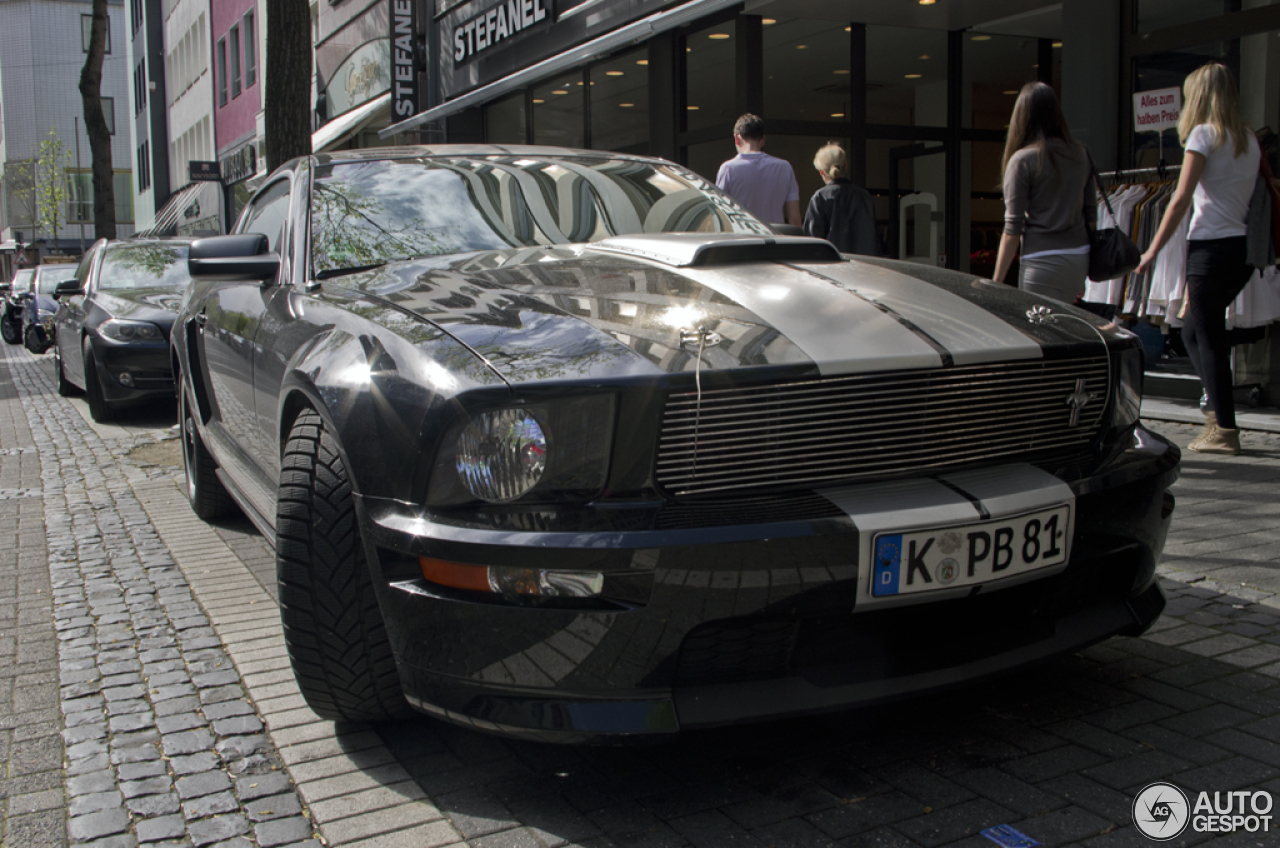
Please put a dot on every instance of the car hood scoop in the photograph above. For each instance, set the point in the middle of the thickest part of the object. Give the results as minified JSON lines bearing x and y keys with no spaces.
{"x":696,"y":250}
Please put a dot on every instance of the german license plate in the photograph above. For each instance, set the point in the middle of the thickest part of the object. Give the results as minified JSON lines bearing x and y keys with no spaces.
{"x":968,"y":554}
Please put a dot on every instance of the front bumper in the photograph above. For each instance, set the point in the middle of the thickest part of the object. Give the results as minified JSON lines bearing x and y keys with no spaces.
{"x":133,"y":371}
{"x":707,"y":621}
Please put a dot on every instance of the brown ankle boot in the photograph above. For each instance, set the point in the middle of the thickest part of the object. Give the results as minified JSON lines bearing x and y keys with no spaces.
{"x":1221,"y":440}
{"x":1210,"y":424}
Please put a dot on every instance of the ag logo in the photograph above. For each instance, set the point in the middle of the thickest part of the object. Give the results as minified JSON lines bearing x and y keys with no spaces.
{"x":1161,"y":812}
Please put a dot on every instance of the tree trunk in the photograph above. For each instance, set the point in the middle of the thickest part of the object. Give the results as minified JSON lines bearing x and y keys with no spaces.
{"x":287,"y":112}
{"x":95,"y":124}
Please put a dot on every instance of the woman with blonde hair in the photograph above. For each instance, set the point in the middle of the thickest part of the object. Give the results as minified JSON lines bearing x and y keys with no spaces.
{"x":1219,"y":170}
{"x":841,"y":212}
{"x":1048,"y":202}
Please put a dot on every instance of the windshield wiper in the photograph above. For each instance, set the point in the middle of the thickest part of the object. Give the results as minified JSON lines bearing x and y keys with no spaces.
{"x":330,"y":273}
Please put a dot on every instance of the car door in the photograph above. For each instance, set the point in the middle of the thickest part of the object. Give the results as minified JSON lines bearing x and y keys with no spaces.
{"x":227,"y":322}
{"x":69,"y":319}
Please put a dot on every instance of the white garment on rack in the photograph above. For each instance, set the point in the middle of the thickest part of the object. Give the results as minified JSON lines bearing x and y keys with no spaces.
{"x":1169,"y":277}
{"x":1259,"y":303}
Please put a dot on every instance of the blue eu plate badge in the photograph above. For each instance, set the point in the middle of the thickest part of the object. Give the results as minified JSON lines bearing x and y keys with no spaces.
{"x":888,"y":562}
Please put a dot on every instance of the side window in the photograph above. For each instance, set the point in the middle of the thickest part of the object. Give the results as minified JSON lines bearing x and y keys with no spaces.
{"x":86,"y":264}
{"x":267,"y":213}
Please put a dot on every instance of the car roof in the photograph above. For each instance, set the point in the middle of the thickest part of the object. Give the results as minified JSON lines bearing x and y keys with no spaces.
{"x":473,"y":151}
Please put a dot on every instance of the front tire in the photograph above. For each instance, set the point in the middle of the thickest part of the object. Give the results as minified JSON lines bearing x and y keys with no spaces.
{"x":10,"y":329}
{"x":209,"y":498}
{"x":33,"y":339}
{"x":333,"y":627}
{"x":99,"y":409}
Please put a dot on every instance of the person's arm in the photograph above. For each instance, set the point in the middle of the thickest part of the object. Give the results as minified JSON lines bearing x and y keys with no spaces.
{"x":815,"y":219}
{"x":1004,"y":256}
{"x":1192,"y":169}
{"x":791,"y":213}
{"x":1015,"y":217}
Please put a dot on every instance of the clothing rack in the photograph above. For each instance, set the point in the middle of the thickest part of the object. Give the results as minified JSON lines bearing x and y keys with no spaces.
{"x":1159,"y":173}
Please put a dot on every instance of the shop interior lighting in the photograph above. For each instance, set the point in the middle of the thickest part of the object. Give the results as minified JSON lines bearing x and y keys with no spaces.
{"x":768,"y":21}
{"x":802,"y":47}
{"x":625,"y":105}
{"x":838,"y":71}
{"x":559,"y":91}
{"x":1056,"y":44}
{"x":926,"y":2}
{"x":924,"y":56}
{"x":837,"y":114}
{"x":536,"y":101}
{"x":912,"y":76}
{"x":692,"y":108}
{"x":613,"y":73}
{"x":642,"y":61}
{"x":718,"y":36}
{"x":980,"y":38}
{"x":1011,"y":91}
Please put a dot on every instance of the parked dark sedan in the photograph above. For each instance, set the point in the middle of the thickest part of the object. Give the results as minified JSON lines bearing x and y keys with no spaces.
{"x":114,"y":320}
{"x":40,"y":305}
{"x":566,"y":444}
{"x":14,"y":302}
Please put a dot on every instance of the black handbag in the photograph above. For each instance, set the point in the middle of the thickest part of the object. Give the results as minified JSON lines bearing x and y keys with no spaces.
{"x":1111,"y":252}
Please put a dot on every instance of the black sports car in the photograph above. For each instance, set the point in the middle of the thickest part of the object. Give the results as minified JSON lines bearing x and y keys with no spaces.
{"x":113,"y":323}
{"x":566,"y":444}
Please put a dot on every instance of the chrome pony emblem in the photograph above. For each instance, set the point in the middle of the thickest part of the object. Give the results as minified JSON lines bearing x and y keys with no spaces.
{"x":1041,"y":315}
{"x":1078,"y":400}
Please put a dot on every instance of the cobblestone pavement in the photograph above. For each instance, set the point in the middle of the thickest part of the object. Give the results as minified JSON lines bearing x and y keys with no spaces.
{"x":1057,"y":752}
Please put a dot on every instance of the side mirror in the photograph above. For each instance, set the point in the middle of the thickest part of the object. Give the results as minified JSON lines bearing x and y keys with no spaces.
{"x":68,"y":287}
{"x":232,"y":258}
{"x":5,"y":288}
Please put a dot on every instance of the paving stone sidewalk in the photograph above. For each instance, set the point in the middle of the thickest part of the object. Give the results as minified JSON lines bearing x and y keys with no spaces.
{"x":161,"y":743}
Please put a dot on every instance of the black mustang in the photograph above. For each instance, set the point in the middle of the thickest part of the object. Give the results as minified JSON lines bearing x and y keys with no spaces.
{"x":565,"y":443}
{"x":113,"y":321}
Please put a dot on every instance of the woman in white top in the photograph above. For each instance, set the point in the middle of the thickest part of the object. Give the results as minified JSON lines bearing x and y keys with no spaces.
{"x":1219,"y":170}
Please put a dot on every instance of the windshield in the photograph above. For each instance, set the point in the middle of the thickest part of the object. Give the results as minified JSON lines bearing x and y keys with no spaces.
{"x":367,"y":213}
{"x":144,"y":266}
{"x":22,"y":280}
{"x":48,"y":277}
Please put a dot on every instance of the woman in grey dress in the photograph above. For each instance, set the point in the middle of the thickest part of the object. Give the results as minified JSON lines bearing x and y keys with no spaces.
{"x":1049,"y":204}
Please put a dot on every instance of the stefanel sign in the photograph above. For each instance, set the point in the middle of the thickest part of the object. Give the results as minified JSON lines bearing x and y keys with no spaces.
{"x":495,"y":25}
{"x":1157,"y":110}
{"x":404,"y":92}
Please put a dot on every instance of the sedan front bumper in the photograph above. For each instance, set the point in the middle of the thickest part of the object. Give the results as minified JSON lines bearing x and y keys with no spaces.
{"x":706,"y":619}
{"x":133,"y":371}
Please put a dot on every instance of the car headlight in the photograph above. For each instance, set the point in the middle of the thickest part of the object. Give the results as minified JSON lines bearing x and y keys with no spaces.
{"x":501,"y":455}
{"x":130,"y":331}
{"x":1128,"y":390}
{"x":556,"y":451}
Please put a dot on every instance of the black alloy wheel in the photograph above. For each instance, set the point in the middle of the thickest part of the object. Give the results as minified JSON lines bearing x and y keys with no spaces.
{"x":34,"y":340}
{"x":10,"y":328}
{"x":66,"y":388}
{"x":333,"y":627}
{"x":99,"y":409}
{"x":209,"y":498}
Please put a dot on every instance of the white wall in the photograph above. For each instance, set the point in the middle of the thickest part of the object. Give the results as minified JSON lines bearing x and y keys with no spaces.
{"x":189,"y":85}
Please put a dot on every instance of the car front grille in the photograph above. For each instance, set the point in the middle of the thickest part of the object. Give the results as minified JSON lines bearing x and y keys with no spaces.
{"x":831,"y":430}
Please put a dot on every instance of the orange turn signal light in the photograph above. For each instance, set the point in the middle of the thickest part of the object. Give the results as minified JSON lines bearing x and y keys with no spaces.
{"x":474,"y":578}
{"x":511,"y":580}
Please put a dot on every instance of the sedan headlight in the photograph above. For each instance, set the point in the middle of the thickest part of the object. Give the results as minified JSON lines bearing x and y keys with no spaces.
{"x":1128,"y":398}
{"x":131,"y":331}
{"x":552,"y":451}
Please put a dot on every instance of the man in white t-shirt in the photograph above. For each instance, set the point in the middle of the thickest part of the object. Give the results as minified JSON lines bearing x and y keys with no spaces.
{"x":765,"y":185}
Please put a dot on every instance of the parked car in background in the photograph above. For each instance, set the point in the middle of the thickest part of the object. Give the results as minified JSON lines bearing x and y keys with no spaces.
{"x":14,"y":301}
{"x":563,"y":444}
{"x":40,"y":306}
{"x":113,"y":323}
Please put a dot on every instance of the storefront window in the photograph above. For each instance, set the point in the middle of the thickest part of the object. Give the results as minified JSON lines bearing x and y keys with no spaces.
{"x":906,"y":76}
{"x":986,"y":205}
{"x":710,"y":71}
{"x":705,"y":159}
{"x":995,"y":69}
{"x":620,"y":103}
{"x":557,"y":112}
{"x":806,"y":70}
{"x":504,"y":120}
{"x":1158,"y":14}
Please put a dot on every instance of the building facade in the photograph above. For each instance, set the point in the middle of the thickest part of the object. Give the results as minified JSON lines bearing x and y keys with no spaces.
{"x":149,"y":106}
{"x":236,"y":25}
{"x":43,"y":44}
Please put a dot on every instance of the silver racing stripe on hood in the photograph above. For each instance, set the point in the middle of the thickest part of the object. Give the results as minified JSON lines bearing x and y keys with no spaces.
{"x":840,"y":330}
{"x":969,"y":333}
